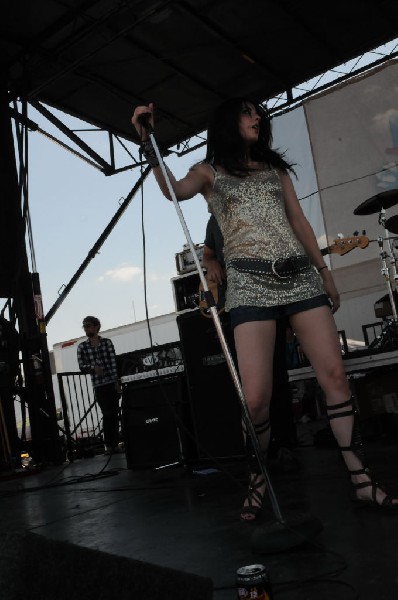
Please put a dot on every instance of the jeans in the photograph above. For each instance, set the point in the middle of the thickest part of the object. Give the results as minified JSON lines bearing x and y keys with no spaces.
{"x":107,"y":399}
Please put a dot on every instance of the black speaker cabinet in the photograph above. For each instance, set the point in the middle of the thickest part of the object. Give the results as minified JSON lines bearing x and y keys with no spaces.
{"x":215,"y":405}
{"x":151,"y":415}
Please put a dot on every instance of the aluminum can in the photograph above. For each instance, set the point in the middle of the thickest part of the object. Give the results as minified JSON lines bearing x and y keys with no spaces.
{"x":253,"y":581}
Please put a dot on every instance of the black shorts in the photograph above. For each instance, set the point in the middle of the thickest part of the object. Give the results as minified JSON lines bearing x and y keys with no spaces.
{"x":245,"y":314}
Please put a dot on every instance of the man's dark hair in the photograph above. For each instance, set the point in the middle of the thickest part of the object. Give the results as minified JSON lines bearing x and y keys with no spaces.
{"x":93,"y":320}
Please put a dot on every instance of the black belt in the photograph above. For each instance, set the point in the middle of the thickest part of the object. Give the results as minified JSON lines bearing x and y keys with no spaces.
{"x":280,"y":267}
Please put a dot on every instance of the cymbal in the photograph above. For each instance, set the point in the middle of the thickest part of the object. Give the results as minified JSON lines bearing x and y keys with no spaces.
{"x":376,"y":203}
{"x":392,"y":224}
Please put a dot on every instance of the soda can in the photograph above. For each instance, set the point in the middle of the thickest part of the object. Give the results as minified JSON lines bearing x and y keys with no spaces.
{"x":253,"y":581}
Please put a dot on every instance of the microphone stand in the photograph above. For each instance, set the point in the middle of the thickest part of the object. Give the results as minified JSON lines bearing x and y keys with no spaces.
{"x":292,"y":538}
{"x":213,"y":309}
{"x":385,"y":271}
{"x":389,"y":333}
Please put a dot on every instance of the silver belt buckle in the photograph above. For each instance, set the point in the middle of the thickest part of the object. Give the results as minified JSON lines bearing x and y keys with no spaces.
{"x":274,"y":271}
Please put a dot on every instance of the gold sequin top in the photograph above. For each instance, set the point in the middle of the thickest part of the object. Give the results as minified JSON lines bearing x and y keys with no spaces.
{"x":251,"y":214}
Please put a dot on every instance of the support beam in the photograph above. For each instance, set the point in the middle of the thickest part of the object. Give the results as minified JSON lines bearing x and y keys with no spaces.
{"x":36,"y":391}
{"x":95,"y":249}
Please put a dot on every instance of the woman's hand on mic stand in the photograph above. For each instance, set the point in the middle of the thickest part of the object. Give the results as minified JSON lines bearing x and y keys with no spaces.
{"x":138,"y":116}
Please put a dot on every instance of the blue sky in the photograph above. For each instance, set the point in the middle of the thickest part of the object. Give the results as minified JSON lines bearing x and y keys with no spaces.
{"x":71,"y":203}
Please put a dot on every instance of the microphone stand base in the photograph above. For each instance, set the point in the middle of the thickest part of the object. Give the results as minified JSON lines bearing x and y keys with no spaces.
{"x":274,"y":536}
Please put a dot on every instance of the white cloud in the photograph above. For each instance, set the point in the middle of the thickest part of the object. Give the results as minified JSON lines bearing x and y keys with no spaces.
{"x":122,"y":273}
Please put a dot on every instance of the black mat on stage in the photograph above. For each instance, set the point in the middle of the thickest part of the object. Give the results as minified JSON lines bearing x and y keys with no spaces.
{"x":104,"y":531}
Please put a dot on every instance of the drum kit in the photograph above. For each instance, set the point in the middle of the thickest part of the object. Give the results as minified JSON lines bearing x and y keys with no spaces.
{"x":388,"y":245}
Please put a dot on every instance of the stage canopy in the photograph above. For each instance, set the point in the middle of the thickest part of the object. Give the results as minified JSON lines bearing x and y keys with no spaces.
{"x":97,"y":59}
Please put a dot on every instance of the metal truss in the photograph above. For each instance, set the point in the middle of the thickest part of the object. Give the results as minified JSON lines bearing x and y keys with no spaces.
{"x":290,"y":99}
{"x":284,"y":102}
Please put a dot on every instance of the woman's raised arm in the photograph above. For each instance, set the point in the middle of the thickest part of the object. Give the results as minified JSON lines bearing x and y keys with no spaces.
{"x":196,"y":181}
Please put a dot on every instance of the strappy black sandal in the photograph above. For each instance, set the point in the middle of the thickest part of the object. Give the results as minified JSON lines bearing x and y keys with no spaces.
{"x":254,"y":498}
{"x":386,"y":504}
{"x":356,"y":448}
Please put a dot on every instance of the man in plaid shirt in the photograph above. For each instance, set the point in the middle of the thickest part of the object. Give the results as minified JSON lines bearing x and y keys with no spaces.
{"x":97,"y":356}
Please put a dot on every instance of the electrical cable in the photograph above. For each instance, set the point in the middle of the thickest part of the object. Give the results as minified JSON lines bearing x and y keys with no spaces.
{"x":71,"y":481}
{"x":169,"y":404}
{"x":335,"y":185}
{"x":285,"y":587}
{"x":296,"y":585}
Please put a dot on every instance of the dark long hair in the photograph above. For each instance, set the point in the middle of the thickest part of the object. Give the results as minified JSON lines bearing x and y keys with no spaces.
{"x":226,"y":148}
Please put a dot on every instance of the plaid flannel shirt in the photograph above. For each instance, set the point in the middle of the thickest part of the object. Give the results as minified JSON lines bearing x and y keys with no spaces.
{"x":103,"y":355}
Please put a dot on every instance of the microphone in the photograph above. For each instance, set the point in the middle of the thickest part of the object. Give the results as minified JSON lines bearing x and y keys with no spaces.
{"x":144,"y":121}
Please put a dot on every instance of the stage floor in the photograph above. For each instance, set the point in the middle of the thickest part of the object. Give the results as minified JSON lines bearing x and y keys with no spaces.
{"x":187,"y":519}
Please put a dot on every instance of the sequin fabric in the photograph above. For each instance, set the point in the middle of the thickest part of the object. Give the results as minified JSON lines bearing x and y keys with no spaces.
{"x":251,"y":214}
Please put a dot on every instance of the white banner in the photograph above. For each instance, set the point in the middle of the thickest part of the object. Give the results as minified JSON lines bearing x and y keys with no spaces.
{"x":353,"y":130}
{"x":354,"y":138}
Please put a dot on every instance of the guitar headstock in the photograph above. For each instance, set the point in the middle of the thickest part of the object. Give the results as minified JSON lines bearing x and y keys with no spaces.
{"x":342,"y":246}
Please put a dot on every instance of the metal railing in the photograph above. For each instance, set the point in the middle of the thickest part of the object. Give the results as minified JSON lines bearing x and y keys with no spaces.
{"x":82,"y":419}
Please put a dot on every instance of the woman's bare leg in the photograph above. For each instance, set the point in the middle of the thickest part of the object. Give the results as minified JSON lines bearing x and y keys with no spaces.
{"x":318,"y":337}
{"x":254,"y":342}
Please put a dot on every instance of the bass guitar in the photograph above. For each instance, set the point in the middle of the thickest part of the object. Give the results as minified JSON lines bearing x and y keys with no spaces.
{"x":340,"y":246}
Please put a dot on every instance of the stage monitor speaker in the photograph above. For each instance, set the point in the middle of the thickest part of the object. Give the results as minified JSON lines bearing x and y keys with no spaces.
{"x":151,"y":416}
{"x":33,"y":567}
{"x":215,"y":405}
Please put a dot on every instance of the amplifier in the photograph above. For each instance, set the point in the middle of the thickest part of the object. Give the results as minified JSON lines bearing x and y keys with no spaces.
{"x":382,"y":306}
{"x":185,"y":260}
{"x":186,"y":291}
{"x":152,"y":374}
{"x":156,"y":422}
{"x":150,"y":362}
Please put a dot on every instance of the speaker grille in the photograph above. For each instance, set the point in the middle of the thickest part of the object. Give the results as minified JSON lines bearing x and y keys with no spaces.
{"x":151,"y":412}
